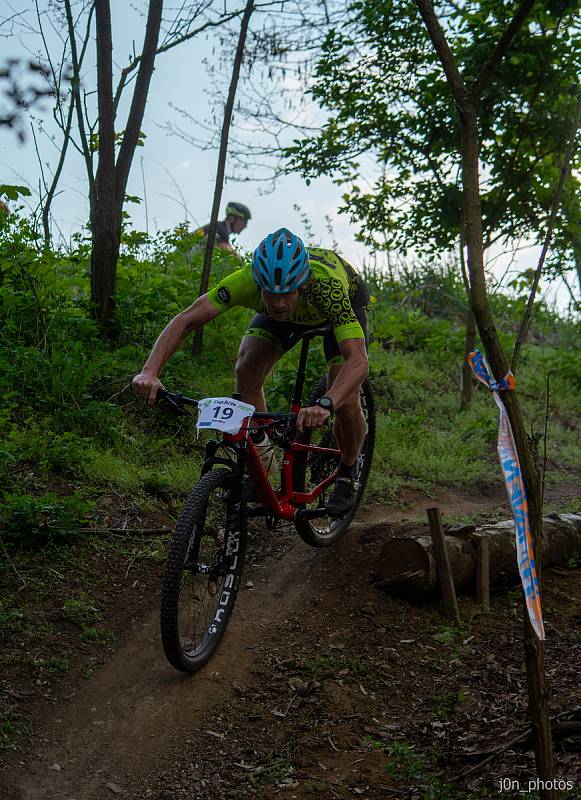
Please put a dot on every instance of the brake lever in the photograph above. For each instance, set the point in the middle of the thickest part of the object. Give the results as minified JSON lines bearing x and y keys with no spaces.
{"x":174,"y":407}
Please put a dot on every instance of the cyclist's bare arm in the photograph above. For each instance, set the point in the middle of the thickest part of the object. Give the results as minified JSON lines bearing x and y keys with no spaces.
{"x":147,"y":383}
{"x":346,"y":384}
{"x":352,"y":373}
{"x":225,"y":246}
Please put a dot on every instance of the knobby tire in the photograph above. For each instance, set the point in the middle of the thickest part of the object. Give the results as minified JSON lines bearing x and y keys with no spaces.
{"x":203,"y":571}
{"x":326,"y":531}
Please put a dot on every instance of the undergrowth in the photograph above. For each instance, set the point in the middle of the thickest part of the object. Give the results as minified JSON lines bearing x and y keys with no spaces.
{"x":71,"y":432}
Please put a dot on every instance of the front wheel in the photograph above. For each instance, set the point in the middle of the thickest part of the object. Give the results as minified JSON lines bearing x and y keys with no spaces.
{"x":203,"y":570}
{"x":311,"y":469}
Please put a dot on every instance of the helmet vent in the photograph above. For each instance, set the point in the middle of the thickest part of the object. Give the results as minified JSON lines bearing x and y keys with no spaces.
{"x":277,"y":276}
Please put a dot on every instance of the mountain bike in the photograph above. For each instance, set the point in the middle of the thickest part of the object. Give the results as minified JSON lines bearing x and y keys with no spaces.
{"x":207,"y":550}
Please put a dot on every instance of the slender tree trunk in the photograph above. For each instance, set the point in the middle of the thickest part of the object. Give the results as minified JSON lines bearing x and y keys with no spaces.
{"x":469,"y":347}
{"x":197,"y":343}
{"x":56,"y":177}
{"x":467,"y":102}
{"x":76,"y":91}
{"x":528,"y":315}
{"x":533,"y":647}
{"x":106,"y":219}
{"x":138,"y":101}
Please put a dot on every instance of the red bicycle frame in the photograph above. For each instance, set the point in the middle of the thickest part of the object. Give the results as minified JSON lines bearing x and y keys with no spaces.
{"x":283,"y":502}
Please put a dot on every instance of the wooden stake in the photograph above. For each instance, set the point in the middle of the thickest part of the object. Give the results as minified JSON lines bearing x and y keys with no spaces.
{"x":482,"y":570}
{"x":443,"y":564}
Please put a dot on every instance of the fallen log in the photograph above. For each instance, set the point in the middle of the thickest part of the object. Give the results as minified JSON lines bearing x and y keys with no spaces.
{"x":407,"y":565}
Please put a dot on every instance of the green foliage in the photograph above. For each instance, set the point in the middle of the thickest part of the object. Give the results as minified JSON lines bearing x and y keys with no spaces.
{"x":11,"y":726}
{"x":385,"y":94}
{"x":81,"y":610}
{"x":11,"y":192}
{"x":70,"y":430}
{"x":275,"y":773}
{"x":41,"y":520}
{"x":12,"y":621}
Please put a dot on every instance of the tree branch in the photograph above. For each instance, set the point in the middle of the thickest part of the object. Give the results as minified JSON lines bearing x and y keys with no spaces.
{"x":75,"y":88}
{"x":126,"y":72}
{"x":501,"y":48}
{"x":444,"y":52}
{"x":67,"y":137}
{"x":551,"y":223}
{"x":138,"y":101}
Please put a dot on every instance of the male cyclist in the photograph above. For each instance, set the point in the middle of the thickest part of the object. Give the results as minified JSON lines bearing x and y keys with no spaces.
{"x":237,"y":216}
{"x":293,"y":290}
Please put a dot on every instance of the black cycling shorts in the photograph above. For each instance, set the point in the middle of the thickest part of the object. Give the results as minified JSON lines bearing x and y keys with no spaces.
{"x":284,"y":335}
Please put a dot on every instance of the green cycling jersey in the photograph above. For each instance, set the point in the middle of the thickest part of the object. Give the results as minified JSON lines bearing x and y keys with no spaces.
{"x":326,"y":297}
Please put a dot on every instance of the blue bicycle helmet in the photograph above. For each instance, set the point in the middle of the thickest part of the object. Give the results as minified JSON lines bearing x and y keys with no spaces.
{"x":280,"y":263}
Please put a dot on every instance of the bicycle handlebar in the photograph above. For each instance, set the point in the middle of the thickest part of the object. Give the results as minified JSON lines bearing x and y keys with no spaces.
{"x":177,"y":400}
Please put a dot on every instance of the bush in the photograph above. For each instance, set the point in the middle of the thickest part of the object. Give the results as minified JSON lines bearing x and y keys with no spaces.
{"x":33,"y":521}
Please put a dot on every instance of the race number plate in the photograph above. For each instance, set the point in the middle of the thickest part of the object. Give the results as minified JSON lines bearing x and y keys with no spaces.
{"x":222,"y":414}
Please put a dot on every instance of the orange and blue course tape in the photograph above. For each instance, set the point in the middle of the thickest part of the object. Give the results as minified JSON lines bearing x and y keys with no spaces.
{"x":515,"y":489}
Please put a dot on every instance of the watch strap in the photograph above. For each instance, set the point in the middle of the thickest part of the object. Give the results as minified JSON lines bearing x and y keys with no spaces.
{"x":327,"y":404}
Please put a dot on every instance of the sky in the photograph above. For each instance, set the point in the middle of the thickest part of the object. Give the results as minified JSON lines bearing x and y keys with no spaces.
{"x":168,"y":172}
{"x":173,"y":172}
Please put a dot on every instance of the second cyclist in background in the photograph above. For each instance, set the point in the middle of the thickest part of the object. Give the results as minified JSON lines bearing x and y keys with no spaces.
{"x":237,"y":216}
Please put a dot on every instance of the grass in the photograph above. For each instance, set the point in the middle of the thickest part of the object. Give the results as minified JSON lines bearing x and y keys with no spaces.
{"x":275,"y":773}
{"x":410,"y":769}
{"x":347,"y":666}
{"x":51,"y":665}
{"x":83,"y":613}
{"x":11,"y":727}
{"x":422,"y":438}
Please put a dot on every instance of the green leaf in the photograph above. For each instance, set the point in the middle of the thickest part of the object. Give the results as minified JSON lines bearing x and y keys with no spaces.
{"x":14,"y":192}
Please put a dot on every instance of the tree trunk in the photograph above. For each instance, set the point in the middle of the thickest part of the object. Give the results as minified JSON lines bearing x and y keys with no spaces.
{"x":106,"y":217}
{"x":467,"y":387}
{"x":138,"y":101}
{"x":198,"y":341}
{"x":469,"y":347}
{"x":407,"y":566}
{"x":467,"y":102}
{"x":111,"y":179}
{"x":533,"y":647}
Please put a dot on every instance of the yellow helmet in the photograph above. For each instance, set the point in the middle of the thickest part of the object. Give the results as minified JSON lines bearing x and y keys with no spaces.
{"x":238,"y":210}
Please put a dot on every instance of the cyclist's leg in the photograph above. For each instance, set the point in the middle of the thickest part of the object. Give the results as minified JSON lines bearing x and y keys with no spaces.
{"x":256,"y":358}
{"x":263,"y":344}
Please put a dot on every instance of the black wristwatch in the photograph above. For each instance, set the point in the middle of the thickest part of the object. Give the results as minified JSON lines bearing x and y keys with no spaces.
{"x":326,"y":403}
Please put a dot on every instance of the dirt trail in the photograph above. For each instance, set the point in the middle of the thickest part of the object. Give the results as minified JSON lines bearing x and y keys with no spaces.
{"x":107,"y":735}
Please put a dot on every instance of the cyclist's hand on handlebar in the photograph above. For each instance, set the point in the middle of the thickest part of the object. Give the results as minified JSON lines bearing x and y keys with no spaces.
{"x":146,"y":386}
{"x":312,"y":417}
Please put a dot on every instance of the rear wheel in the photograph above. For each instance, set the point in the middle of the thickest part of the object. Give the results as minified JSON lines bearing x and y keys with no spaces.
{"x":311,"y":469}
{"x":203,"y":570}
